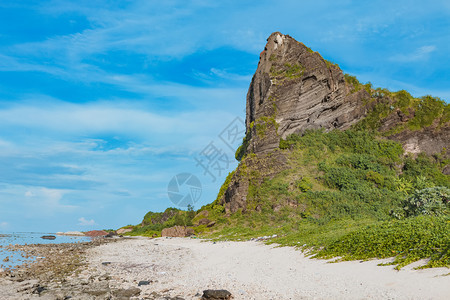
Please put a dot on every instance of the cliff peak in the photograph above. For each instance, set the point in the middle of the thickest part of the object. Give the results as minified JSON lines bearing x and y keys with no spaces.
{"x":294,"y":89}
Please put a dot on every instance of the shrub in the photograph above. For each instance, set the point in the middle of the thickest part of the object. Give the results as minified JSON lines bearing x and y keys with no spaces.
{"x":375,"y":177}
{"x":430,"y":201}
{"x":304,"y":184}
{"x":408,"y":240}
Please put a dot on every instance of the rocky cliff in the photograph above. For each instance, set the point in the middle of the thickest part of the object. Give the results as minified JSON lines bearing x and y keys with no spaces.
{"x":294,"y":89}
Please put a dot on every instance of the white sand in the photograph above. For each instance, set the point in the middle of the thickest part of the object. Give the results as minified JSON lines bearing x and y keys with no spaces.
{"x":252,"y":270}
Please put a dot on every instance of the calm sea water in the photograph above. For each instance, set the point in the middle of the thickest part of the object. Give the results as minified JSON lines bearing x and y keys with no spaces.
{"x":22,"y":238}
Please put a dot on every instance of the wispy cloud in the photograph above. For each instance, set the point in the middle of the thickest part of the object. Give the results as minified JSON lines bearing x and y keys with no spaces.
{"x":96,"y":118}
{"x":83,"y":222}
{"x":419,"y":54}
{"x":4,"y":225}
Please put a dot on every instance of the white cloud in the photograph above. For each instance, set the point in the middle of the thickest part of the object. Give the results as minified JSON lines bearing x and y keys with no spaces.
{"x":84,"y":222}
{"x":4,"y":225}
{"x":29,"y":194}
{"x":421,"y":53}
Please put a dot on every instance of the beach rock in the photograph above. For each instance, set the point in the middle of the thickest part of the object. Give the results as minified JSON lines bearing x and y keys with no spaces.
{"x":177,"y":231}
{"x":216,"y":295}
{"x":6,"y":259}
{"x":48,"y":237}
{"x":96,"y":233}
{"x":124,"y":230}
{"x":126,"y":293}
{"x":143,"y":282}
{"x":97,"y":288}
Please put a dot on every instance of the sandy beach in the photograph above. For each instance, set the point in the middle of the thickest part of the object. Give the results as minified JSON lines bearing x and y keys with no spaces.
{"x":181,"y":268}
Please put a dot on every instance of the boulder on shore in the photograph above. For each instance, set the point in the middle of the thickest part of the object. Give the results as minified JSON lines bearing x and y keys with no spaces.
{"x":216,"y":295}
{"x":124,"y":230}
{"x":177,"y":231}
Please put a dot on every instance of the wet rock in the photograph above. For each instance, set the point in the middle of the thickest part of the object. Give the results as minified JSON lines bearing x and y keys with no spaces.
{"x":48,"y":237}
{"x":216,"y":295}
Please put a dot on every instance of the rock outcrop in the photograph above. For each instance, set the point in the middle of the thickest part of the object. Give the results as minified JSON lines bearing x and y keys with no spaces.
{"x":124,"y":230}
{"x":293,"y":90}
{"x":177,"y":231}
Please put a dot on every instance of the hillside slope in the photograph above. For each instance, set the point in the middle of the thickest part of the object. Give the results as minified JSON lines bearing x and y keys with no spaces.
{"x":334,"y":166}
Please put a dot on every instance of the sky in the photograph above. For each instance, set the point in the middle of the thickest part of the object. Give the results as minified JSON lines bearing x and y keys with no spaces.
{"x":104,"y":103}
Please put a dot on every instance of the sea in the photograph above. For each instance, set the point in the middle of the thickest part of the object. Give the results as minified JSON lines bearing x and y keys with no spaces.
{"x":15,"y":258}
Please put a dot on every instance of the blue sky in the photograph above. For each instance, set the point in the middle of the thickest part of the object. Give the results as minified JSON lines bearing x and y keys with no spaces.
{"x":103,"y":102}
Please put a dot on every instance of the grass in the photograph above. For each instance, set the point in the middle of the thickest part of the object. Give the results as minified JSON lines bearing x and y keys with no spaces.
{"x":287,"y":71}
{"x":338,"y":198}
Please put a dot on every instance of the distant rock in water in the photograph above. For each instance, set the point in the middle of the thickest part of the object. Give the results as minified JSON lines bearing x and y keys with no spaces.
{"x":48,"y":237}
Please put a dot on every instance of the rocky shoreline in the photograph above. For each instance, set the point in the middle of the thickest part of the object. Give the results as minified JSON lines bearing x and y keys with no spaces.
{"x":55,"y":273}
{"x":63,"y":271}
{"x":187,"y":268}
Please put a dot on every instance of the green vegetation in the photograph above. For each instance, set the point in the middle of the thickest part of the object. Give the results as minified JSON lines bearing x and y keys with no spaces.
{"x":407,"y":240}
{"x":417,"y":112}
{"x":352,"y":195}
{"x":263,"y":124}
{"x":356,"y":85}
{"x":155,"y":222}
{"x":242,"y":150}
{"x":287,"y":71}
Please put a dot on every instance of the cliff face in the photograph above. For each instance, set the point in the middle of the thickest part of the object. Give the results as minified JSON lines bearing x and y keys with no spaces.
{"x":294,"y":89}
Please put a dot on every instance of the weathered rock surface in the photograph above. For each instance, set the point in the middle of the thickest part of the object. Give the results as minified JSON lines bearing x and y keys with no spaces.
{"x":261,"y":166}
{"x":294,"y":89}
{"x":177,"y":231}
